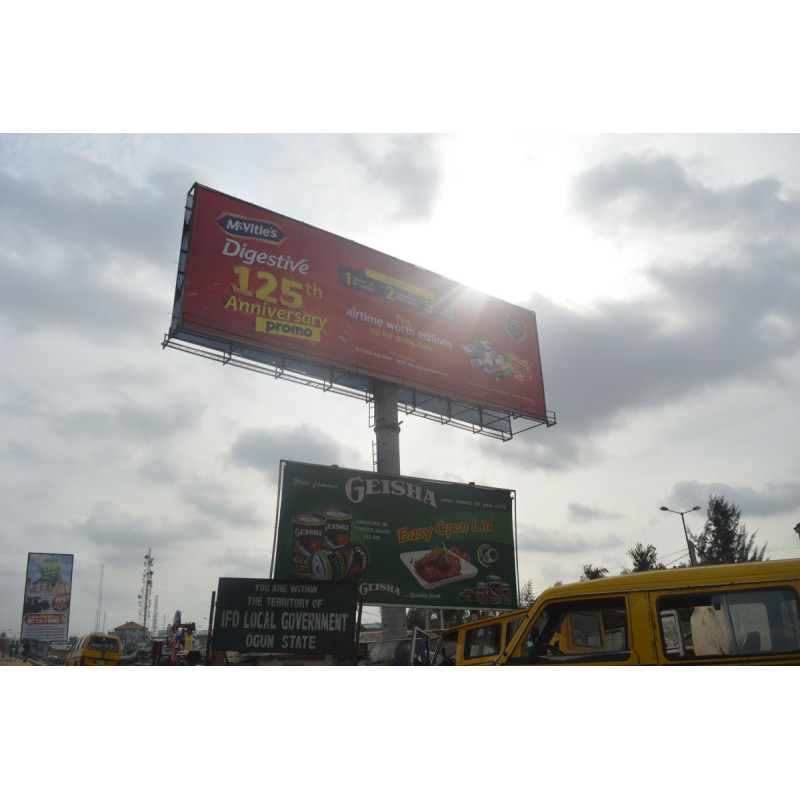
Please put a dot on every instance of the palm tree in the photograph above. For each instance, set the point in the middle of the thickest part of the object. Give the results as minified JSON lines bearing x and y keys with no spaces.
{"x":590,"y":572}
{"x":644,"y":558}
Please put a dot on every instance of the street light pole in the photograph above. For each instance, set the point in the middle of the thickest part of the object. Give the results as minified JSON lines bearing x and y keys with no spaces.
{"x":692,"y":558}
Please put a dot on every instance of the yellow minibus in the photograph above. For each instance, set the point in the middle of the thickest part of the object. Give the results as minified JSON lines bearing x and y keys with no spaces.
{"x":478,"y":642}
{"x":95,"y":650}
{"x":746,"y":613}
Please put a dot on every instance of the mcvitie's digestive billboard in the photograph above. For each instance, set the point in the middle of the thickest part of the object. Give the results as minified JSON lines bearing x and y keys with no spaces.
{"x":257,"y":285}
{"x":403,"y":541}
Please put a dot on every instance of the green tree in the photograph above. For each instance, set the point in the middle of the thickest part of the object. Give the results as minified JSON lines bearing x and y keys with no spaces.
{"x":724,"y":539}
{"x":590,"y":573}
{"x":644,"y":558}
{"x":415,"y":618}
{"x":527,"y":596}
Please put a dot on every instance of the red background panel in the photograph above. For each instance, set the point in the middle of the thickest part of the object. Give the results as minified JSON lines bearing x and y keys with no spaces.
{"x":258,"y":278}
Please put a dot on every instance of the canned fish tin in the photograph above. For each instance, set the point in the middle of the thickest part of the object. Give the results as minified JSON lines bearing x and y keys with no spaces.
{"x":505,"y":593}
{"x":495,"y":590}
{"x":487,"y":554}
{"x":360,"y":560}
{"x":307,"y":538}
{"x":466,"y":595}
{"x":341,"y":564}
{"x":301,"y":564}
{"x":337,"y":527}
{"x":329,"y":565}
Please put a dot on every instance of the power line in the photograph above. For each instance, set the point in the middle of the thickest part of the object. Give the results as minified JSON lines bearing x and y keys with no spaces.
{"x":684,"y":554}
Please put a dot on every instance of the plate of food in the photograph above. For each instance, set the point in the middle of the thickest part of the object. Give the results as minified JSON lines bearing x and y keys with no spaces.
{"x":438,"y":567}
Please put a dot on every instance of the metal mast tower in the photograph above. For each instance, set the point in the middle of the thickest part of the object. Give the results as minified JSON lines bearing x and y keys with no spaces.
{"x":155,"y":616}
{"x":144,"y":595}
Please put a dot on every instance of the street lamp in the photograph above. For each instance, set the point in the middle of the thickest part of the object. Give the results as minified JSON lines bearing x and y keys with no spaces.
{"x":692,"y":558}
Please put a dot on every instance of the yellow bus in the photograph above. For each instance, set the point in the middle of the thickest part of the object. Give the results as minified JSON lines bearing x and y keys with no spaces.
{"x":478,"y":642}
{"x":95,"y":650}
{"x":747,"y":613}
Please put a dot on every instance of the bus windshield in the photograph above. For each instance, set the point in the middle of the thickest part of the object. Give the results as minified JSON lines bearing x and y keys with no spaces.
{"x":105,"y":643}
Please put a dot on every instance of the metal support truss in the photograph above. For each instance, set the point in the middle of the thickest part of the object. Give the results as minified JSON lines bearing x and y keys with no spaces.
{"x":478,"y":419}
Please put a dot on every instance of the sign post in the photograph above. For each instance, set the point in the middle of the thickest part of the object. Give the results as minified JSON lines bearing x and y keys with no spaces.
{"x":387,"y":441}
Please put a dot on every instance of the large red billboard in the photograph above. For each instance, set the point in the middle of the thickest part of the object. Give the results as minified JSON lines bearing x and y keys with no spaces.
{"x":265,"y":286}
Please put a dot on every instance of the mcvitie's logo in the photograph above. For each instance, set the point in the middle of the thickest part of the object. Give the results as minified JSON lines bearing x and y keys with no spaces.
{"x":251,"y":228}
{"x":516,"y":328}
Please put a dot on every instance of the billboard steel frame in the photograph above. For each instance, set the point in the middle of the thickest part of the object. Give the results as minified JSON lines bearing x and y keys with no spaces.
{"x":196,"y":335}
{"x":481,"y":420}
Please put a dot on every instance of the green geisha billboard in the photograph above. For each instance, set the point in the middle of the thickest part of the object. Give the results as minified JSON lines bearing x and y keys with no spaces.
{"x":403,"y":541}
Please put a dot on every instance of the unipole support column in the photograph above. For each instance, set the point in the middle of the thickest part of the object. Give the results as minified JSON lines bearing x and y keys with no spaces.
{"x":387,"y":449}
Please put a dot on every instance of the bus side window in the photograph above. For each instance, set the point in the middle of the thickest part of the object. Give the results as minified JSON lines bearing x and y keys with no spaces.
{"x":577,"y":629}
{"x":743,"y":622}
{"x":483,"y":641}
{"x":511,"y":629}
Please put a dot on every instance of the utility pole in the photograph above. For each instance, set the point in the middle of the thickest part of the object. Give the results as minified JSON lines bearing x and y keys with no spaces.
{"x":99,"y":601}
{"x":387,"y":441}
{"x":692,"y":556}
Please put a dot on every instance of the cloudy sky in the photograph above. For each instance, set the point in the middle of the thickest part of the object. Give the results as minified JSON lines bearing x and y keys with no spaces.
{"x":664,"y":271}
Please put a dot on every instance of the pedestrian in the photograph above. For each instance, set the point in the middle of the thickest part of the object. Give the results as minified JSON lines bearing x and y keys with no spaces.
{"x":26,"y":650}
